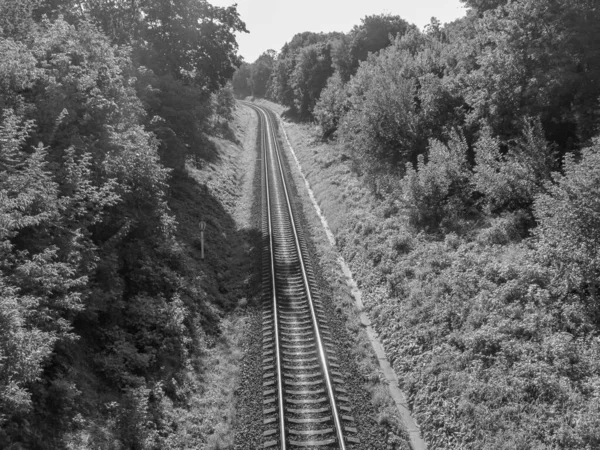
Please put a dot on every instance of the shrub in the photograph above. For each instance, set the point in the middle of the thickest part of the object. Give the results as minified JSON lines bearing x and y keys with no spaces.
{"x":511,"y":180}
{"x":485,"y":346}
{"x":38,"y":287}
{"x":331,"y":106}
{"x":569,"y":222}
{"x":381,"y":125}
{"x":505,"y":229}
{"x":438,"y":188}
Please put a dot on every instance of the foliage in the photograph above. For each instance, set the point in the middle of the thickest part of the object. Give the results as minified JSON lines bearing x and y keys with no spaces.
{"x":511,"y":180}
{"x":395,"y":100}
{"x":280,"y":84}
{"x":381,"y":124}
{"x":300,"y":72}
{"x":438,"y":189}
{"x":341,"y":58}
{"x":241,"y":81}
{"x":493,"y":334}
{"x":492,"y":349}
{"x":178,"y":115}
{"x":498,"y":67}
{"x":373,"y":34}
{"x":504,"y":362}
{"x":224,"y":103}
{"x":331,"y":106}
{"x":28,"y":203}
{"x":189,"y":40}
{"x":261,"y":73}
{"x":483,"y":5}
{"x":94,"y":300}
{"x":183,"y":52}
{"x":253,"y":79}
{"x":16,"y":18}
{"x":535,"y":59}
{"x":569,"y":223}
{"x":311,"y":71}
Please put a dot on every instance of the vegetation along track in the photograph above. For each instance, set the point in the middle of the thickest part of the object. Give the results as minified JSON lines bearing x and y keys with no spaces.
{"x":304,"y":401}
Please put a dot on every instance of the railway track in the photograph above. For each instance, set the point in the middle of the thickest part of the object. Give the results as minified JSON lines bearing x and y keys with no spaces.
{"x":305,"y":404}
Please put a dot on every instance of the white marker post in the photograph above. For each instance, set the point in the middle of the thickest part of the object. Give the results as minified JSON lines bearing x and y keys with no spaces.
{"x":202,"y":228}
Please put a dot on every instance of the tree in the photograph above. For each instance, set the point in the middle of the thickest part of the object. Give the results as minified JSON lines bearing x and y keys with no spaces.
{"x":16,"y":17}
{"x":568,"y":216}
{"x":311,"y":71}
{"x":396,"y":99}
{"x":190,"y":40}
{"x":374,"y":33}
{"x":301,"y":71}
{"x":81,"y":190}
{"x":438,"y":190}
{"x":538,"y":59}
{"x":512,"y":179}
{"x":261,"y":73}
{"x":40,"y":283}
{"x":332,"y":105}
{"x":280,"y":84}
{"x":482,"y":6}
{"x":241,"y":81}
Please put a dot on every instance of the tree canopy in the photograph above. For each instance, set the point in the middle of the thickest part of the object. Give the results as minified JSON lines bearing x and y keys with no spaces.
{"x":101,"y":102}
{"x":299,"y":72}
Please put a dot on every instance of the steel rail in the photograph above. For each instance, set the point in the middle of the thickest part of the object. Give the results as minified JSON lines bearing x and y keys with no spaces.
{"x":282,"y":428}
{"x":272,"y":159}
{"x":319,"y":340}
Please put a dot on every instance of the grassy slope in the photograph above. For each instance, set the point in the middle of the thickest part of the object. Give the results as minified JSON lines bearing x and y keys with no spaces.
{"x":220,"y":193}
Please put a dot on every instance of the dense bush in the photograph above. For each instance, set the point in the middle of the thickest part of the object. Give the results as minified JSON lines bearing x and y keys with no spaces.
{"x":438,"y":189}
{"x":396,"y":102}
{"x":331,"y":106}
{"x":569,"y":224}
{"x":381,"y":126}
{"x":493,"y":355}
{"x":493,"y":349}
{"x":510,"y":180}
{"x":311,"y":71}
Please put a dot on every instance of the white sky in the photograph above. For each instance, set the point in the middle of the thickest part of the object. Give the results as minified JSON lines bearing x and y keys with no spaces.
{"x":272,"y":23}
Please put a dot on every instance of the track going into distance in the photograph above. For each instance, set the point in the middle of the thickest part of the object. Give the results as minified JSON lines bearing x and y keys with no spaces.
{"x":305,"y":404}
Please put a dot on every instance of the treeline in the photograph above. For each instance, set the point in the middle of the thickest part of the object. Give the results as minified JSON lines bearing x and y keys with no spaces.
{"x":101,"y":102}
{"x":481,"y":138}
{"x":297,"y":74}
